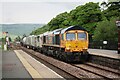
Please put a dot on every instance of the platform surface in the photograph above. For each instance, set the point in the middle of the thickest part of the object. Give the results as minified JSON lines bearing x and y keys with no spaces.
{"x":43,"y":70}
{"x":12,"y":67}
{"x":106,"y":53}
{"x":18,"y":64}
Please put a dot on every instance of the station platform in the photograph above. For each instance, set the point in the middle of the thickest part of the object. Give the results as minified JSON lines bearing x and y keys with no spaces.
{"x":105,"y":53}
{"x":18,"y":64}
{"x":12,"y":67}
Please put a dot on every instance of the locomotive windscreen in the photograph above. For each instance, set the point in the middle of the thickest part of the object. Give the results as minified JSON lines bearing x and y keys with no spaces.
{"x":70,"y":36}
{"x":82,"y":36}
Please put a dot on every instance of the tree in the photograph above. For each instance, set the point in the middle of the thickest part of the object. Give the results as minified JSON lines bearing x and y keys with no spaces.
{"x":87,"y":16}
{"x":113,"y":9}
{"x":18,"y":38}
{"x":106,"y":30}
{"x":59,"y":21}
{"x":104,"y":5}
{"x":91,"y":17}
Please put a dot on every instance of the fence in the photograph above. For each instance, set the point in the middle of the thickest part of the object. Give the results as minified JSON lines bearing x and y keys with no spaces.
{"x":110,"y":45}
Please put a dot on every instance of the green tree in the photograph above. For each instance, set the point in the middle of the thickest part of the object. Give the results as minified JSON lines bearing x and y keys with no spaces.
{"x":106,"y":30}
{"x":113,"y":9}
{"x":87,"y":16}
{"x":18,"y":38}
{"x":59,"y":21}
{"x":91,"y":17}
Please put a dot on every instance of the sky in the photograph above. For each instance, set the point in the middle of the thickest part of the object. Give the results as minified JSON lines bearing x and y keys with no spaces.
{"x":35,"y":11}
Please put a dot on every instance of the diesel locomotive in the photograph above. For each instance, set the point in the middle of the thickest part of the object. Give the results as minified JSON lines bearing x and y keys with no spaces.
{"x":68,"y":44}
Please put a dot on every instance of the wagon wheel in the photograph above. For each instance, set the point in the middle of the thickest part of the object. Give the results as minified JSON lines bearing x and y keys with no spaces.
{"x":84,"y":56}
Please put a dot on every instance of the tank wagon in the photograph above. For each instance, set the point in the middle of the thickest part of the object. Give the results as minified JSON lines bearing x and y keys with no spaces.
{"x":69,"y":44}
{"x":23,"y":42}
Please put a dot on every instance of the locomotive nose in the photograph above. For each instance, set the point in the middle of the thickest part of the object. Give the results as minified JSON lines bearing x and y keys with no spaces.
{"x":76,"y":46}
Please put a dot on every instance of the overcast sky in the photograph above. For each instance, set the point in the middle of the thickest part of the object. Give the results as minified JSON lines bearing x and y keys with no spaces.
{"x":35,"y":11}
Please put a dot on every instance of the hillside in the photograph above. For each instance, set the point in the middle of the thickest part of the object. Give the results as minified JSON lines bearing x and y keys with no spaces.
{"x":100,"y":23}
{"x":18,"y":29}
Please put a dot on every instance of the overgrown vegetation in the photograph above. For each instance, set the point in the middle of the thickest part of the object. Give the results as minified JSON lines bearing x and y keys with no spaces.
{"x":2,"y":42}
{"x":100,"y":23}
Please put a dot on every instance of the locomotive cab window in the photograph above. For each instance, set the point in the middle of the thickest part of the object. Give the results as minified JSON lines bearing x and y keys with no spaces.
{"x":82,"y":36}
{"x":70,"y":36}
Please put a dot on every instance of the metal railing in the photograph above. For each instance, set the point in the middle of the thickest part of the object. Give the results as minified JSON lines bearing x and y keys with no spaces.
{"x":110,"y":45}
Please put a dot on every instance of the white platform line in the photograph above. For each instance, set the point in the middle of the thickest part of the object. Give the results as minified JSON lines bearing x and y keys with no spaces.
{"x":28,"y":67}
{"x":44,"y":65}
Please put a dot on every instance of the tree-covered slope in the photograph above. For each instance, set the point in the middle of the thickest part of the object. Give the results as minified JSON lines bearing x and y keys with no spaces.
{"x":90,"y":16}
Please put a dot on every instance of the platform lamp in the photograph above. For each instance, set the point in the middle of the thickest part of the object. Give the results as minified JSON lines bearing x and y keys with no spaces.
{"x":118,"y":25}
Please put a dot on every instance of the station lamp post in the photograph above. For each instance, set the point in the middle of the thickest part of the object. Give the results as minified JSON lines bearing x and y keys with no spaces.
{"x":118,"y":25}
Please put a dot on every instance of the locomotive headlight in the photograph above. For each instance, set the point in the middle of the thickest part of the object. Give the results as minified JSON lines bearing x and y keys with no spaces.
{"x":68,"y":48}
{"x":85,"y":48}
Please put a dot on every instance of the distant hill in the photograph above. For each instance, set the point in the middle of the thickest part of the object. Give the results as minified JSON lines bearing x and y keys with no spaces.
{"x":18,"y":29}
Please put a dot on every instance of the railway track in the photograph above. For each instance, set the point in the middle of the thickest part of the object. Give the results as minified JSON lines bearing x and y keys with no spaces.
{"x":76,"y":71}
{"x":105,"y":61}
{"x":107,"y":73}
{"x":53,"y":67}
{"x":104,"y":68}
